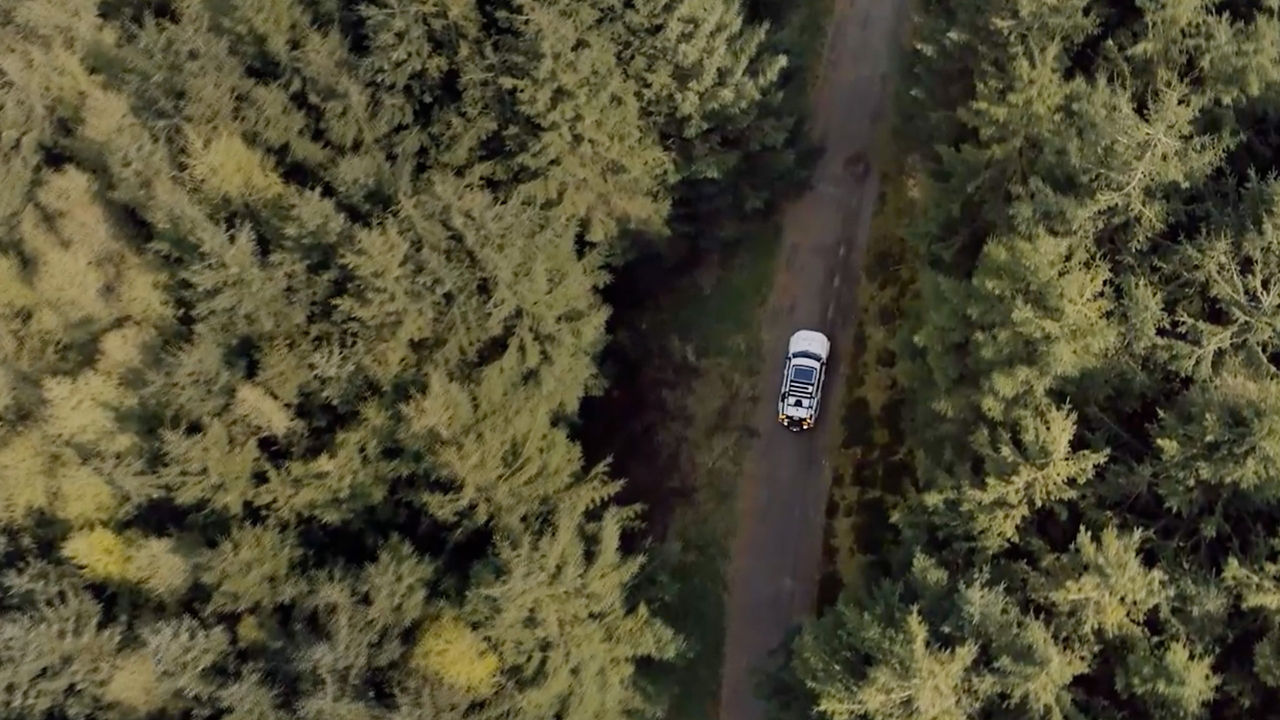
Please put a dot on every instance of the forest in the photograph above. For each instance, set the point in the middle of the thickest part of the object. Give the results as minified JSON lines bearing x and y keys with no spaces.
{"x":1085,"y":375}
{"x":298,"y":303}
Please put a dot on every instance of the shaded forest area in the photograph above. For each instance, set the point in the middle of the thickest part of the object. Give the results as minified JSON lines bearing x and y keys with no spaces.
{"x":681,"y":365}
{"x":300,"y":299}
{"x":715,"y":220}
{"x":1082,"y":376}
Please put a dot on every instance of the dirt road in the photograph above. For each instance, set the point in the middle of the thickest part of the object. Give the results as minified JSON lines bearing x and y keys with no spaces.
{"x":778,"y":549}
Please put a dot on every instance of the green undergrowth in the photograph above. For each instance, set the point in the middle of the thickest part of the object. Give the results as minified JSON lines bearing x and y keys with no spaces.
{"x":869,"y":470}
{"x":713,"y":352}
{"x":717,"y":314}
{"x":802,"y":29}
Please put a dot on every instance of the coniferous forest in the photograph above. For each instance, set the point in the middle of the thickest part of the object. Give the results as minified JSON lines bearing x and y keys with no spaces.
{"x":1086,"y":373}
{"x":299,"y":301}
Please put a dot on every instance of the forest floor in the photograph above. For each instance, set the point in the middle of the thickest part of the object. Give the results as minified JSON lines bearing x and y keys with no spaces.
{"x":777,"y":552}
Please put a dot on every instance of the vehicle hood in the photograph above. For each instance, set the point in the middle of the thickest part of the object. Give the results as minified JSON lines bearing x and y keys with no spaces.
{"x":809,"y":341}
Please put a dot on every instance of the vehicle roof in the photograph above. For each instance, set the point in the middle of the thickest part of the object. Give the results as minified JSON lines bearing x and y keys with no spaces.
{"x":809,"y":341}
{"x":798,"y":388}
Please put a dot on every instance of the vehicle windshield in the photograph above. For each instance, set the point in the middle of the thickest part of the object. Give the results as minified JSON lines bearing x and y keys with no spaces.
{"x":804,"y":374}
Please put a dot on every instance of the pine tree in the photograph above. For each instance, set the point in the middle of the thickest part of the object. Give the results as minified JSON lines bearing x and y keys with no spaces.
{"x":882,"y":663}
{"x":559,"y":618}
{"x":298,"y":300}
{"x":1087,"y":362}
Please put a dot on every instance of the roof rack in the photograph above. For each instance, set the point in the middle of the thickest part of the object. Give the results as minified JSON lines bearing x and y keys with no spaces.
{"x":796,"y":387}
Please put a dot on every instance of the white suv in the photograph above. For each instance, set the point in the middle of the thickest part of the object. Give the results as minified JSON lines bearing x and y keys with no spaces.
{"x":802,"y":377}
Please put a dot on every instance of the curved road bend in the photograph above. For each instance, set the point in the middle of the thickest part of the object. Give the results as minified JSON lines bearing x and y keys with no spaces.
{"x":777,"y":554}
